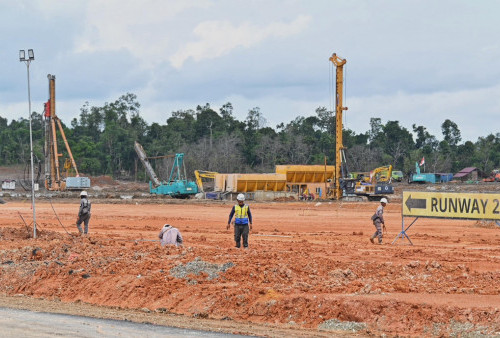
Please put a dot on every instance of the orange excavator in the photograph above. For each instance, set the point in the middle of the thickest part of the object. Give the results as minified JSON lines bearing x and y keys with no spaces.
{"x":494,"y":176}
{"x":55,"y":178}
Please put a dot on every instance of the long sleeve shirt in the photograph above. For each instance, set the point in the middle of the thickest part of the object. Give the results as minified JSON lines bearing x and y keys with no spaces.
{"x":380,"y":213}
{"x":85,"y":205}
{"x":170,"y":235}
{"x":231,"y":214}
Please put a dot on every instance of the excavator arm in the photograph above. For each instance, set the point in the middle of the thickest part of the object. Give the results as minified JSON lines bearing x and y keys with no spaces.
{"x":205,"y":174}
{"x":381,"y":175}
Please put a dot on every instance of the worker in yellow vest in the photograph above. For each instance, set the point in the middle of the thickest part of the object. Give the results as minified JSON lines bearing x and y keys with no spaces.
{"x":242,"y":218}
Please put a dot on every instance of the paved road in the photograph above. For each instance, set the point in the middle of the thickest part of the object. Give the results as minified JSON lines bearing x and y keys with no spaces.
{"x":21,"y":323}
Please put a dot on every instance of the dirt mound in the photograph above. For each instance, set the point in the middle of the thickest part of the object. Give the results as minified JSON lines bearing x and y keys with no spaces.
{"x":102,"y":180}
{"x":284,"y":199}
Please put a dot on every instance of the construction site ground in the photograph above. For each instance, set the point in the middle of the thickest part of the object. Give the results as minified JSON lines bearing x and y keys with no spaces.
{"x":310,"y":269}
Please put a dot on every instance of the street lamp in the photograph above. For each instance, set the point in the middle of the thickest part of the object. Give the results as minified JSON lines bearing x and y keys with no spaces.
{"x":27,"y":61}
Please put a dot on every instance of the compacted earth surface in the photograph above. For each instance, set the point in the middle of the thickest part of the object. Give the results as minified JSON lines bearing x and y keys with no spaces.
{"x":310,"y":269}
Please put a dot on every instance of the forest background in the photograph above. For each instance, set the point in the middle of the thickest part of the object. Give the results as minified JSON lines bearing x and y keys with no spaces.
{"x":102,"y":142}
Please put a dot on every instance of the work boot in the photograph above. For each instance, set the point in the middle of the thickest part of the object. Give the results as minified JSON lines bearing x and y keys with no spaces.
{"x":371,"y":240}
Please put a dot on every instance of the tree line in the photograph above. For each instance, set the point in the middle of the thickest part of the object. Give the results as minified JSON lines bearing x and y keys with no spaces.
{"x":102,"y":142}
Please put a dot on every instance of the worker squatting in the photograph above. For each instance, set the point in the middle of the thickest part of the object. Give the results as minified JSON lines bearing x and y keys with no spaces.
{"x":463,"y":205}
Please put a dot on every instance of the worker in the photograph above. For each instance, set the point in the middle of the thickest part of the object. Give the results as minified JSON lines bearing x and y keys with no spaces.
{"x":242,"y":218}
{"x":170,"y":236}
{"x":83,"y":213}
{"x":378,"y":221}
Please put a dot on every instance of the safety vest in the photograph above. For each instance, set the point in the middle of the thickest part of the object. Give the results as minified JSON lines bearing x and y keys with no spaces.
{"x":241,"y":214}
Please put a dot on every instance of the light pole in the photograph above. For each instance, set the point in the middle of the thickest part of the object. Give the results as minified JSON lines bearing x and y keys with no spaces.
{"x":27,"y":61}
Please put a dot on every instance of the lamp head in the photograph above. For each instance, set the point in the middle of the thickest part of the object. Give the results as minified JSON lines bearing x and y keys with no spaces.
{"x":22,"y":55}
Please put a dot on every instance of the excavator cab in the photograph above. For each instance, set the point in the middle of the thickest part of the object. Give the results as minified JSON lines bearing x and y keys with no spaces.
{"x":377,"y":185}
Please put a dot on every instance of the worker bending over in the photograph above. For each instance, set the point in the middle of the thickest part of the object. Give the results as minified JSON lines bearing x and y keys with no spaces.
{"x":242,"y":216}
{"x":170,"y":235}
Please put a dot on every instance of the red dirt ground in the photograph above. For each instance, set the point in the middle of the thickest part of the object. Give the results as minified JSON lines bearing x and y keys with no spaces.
{"x":310,"y":268}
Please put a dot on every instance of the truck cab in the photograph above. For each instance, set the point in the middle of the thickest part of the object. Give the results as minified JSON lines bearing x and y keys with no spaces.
{"x":397,"y":175}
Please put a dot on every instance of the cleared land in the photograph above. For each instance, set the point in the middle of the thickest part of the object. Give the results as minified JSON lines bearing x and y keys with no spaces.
{"x":310,"y":269}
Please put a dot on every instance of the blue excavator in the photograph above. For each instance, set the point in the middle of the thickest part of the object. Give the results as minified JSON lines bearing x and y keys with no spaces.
{"x":177,"y":185}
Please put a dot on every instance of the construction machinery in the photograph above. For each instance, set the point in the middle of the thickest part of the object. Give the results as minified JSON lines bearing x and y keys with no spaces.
{"x":422,"y":178}
{"x":200,"y":174}
{"x":494,"y":176}
{"x":377,"y":184}
{"x":345,"y":186}
{"x":397,"y":175}
{"x":55,"y":178}
{"x":419,"y":177}
{"x":342,"y":185}
{"x":177,"y":185}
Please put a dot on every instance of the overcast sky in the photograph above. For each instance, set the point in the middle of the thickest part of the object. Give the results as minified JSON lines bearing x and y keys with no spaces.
{"x":417,"y":62}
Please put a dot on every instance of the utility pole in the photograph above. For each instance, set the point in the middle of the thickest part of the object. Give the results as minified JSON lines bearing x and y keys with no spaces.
{"x":27,"y":61}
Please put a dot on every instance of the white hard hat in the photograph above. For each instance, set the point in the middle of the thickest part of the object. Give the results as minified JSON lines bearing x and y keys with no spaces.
{"x":240,"y":197}
{"x":83,"y":193}
{"x":383,"y":200}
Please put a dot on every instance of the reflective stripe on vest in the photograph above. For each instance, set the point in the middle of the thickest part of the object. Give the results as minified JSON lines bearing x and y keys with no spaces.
{"x":241,"y":214}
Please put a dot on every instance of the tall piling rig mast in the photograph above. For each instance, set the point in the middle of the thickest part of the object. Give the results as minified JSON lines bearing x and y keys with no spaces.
{"x":55,"y":178}
{"x":340,"y":180}
{"x":343,"y":186}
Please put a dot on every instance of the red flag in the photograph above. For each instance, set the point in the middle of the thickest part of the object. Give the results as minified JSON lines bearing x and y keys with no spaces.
{"x":422,"y":161}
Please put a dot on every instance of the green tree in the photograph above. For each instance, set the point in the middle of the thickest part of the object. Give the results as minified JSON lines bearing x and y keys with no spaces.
{"x":451,"y":133}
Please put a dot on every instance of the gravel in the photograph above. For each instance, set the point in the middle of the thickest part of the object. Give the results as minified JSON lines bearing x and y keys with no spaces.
{"x":198,"y":266}
{"x":337,"y":325}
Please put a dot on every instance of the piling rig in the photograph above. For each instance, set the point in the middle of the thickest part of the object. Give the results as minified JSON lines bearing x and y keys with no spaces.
{"x":55,"y":178}
{"x":342,"y":185}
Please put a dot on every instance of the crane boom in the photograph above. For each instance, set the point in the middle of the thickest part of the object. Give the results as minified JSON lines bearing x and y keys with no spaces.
{"x":340,"y":169}
{"x":144,"y":159}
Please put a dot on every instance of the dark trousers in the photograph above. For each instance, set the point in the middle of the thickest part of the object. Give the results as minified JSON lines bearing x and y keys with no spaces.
{"x":241,"y":230}
{"x":85,"y":220}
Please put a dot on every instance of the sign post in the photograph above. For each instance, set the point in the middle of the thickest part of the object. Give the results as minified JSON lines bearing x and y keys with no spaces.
{"x":448,"y":205}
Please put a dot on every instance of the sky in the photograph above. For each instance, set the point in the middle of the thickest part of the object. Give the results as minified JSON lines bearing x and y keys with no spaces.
{"x":416,"y":62}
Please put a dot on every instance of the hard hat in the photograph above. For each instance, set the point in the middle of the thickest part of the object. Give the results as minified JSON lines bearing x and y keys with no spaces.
{"x":383,"y":200}
{"x":240,"y":197}
{"x":83,"y":193}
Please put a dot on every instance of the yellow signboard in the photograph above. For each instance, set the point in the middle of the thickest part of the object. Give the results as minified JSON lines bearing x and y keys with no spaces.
{"x":451,"y":205}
